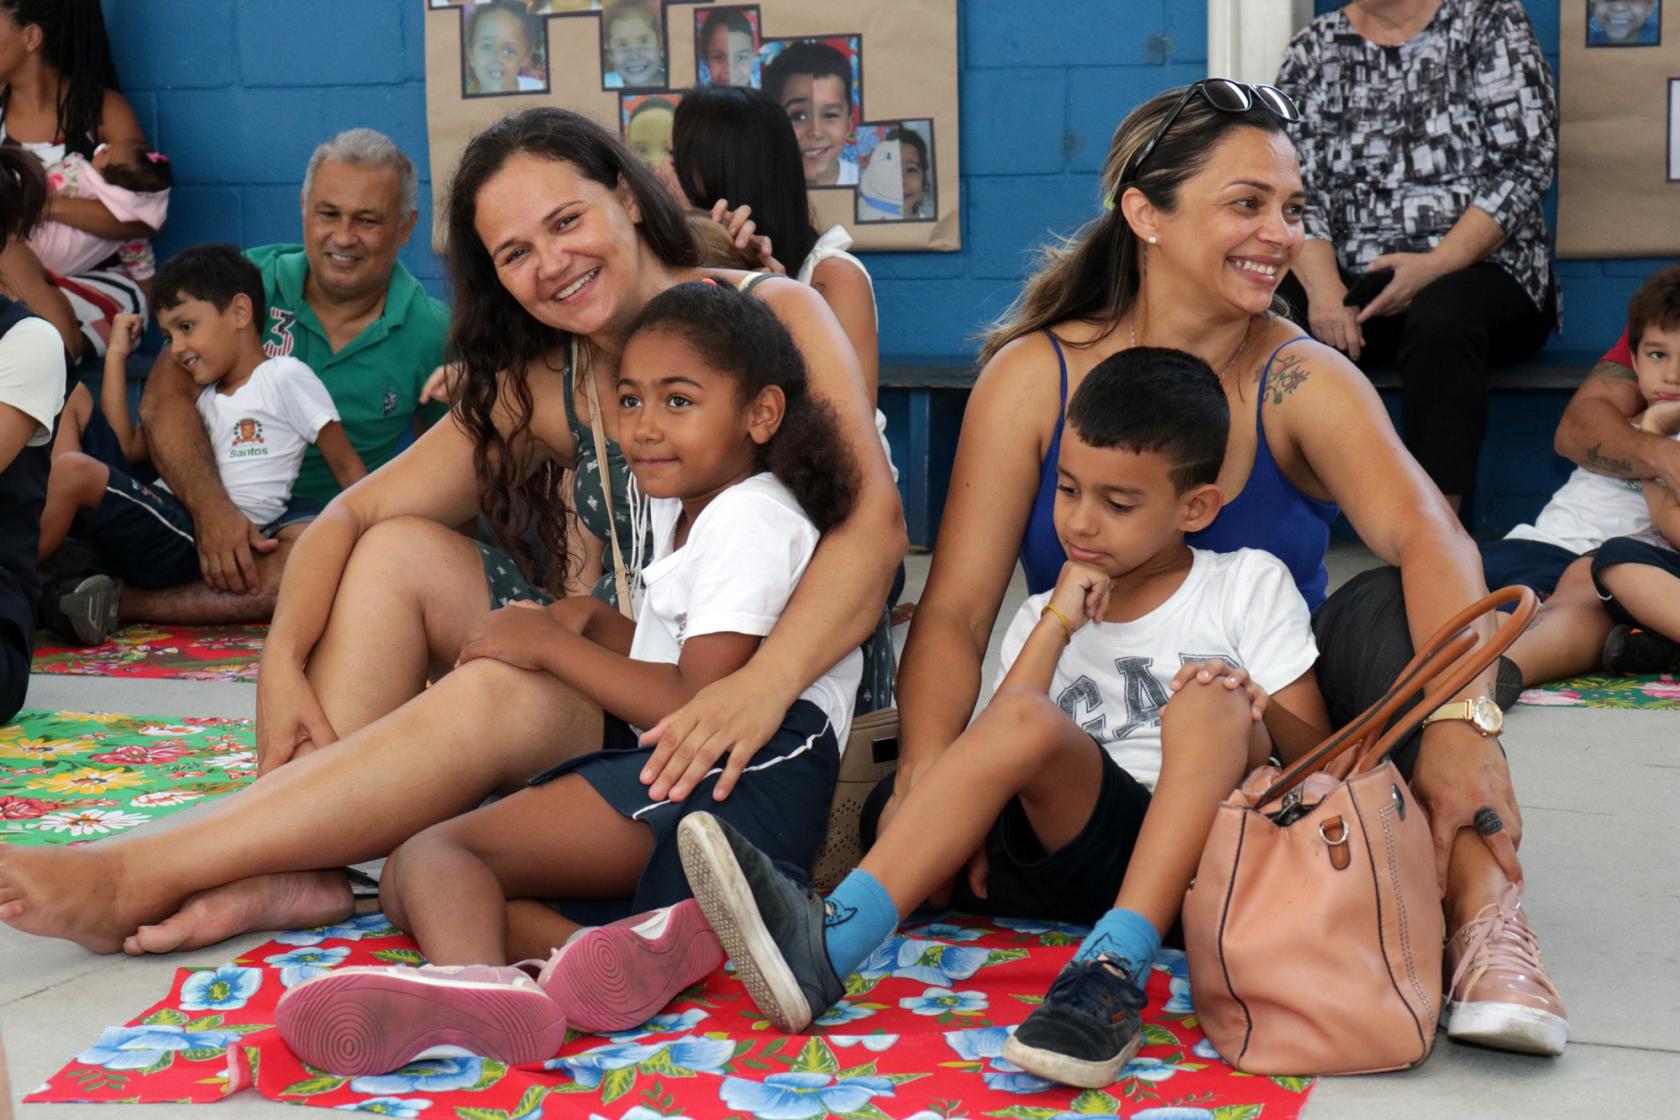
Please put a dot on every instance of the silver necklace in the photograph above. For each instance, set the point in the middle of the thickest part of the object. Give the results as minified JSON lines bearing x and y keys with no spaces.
{"x":1131,"y":329}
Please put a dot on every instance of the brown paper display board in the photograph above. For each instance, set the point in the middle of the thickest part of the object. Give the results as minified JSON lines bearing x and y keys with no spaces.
{"x":1619,"y":136}
{"x":870,"y":87}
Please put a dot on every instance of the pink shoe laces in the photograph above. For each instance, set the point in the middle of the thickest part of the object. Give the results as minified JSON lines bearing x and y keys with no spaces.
{"x":1499,"y":938}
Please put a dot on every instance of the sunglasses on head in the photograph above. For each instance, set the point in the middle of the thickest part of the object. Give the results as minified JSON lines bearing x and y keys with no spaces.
{"x":1228,"y":96}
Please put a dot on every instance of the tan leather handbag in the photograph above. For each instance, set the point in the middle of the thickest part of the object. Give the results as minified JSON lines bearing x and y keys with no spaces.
{"x":1314,"y":926}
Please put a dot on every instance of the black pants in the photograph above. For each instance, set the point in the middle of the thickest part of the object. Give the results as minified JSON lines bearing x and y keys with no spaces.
{"x":1456,"y":330}
{"x":15,"y":650}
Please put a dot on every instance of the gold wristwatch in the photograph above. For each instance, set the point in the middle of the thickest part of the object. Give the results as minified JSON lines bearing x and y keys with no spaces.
{"x":1481,"y":713}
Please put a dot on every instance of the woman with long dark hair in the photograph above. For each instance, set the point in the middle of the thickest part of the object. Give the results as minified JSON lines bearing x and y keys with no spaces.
{"x":59,"y":99}
{"x":557,"y":237}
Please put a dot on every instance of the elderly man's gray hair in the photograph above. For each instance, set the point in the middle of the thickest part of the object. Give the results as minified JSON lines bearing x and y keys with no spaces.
{"x":363,"y":147}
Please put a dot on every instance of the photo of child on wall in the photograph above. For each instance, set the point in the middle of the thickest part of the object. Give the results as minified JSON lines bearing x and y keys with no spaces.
{"x":646,"y":122}
{"x":819,"y":83}
{"x":1624,"y":23}
{"x":503,"y":50}
{"x":895,"y":181}
{"x":632,"y":45}
{"x":726,"y":46}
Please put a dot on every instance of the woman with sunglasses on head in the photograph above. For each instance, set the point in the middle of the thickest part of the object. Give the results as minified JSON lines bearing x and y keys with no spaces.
{"x":1427,"y":134}
{"x":1205,"y":216}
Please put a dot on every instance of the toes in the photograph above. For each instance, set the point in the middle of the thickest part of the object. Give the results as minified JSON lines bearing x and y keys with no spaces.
{"x":165,"y":937}
{"x":131,"y":946}
{"x":11,"y":911}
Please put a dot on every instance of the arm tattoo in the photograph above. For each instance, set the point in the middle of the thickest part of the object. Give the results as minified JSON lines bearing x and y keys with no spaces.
{"x":1289,"y":376}
{"x":1608,"y":465}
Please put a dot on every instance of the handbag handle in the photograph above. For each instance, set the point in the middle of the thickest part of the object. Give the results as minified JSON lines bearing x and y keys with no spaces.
{"x":1452,"y":657}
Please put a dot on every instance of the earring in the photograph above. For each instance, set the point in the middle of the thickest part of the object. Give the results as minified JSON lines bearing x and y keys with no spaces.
{"x":1153,"y":239}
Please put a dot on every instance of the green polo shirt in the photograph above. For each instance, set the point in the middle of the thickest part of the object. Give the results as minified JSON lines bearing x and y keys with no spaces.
{"x":376,"y":379}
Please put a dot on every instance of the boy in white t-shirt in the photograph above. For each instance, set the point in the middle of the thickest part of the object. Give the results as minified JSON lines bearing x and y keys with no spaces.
{"x":260,"y":413}
{"x":1133,"y":699}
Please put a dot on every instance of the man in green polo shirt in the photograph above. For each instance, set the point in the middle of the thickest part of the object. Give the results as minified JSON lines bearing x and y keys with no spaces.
{"x":342,"y":304}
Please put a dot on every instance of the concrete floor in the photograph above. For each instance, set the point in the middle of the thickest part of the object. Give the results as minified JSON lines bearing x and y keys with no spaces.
{"x":1597,"y":788}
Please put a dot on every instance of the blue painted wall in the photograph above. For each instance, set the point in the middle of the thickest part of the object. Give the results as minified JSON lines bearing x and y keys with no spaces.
{"x":239,"y":93}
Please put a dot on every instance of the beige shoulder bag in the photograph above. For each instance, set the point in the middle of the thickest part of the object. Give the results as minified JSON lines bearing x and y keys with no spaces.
{"x":1314,"y":926}
{"x":621,"y":578}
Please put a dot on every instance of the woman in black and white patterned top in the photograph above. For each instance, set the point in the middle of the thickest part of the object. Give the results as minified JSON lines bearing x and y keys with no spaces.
{"x":1427,"y":138}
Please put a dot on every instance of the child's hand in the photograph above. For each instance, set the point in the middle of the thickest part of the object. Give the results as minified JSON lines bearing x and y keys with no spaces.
{"x":1663,"y":418}
{"x":442,"y":385}
{"x":1081,"y":594}
{"x":516,"y":634}
{"x":1232,"y":677}
{"x":125,"y":334}
{"x":572,"y":612}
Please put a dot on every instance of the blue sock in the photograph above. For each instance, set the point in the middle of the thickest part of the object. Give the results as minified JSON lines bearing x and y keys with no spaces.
{"x":860,"y":916}
{"x":1126,"y":938}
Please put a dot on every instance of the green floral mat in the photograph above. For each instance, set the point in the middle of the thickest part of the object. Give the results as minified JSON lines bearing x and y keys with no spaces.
{"x":1660,"y":694}
{"x":71,"y":777}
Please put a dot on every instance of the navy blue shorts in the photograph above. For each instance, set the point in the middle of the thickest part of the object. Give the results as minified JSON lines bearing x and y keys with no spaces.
{"x":1534,"y":564}
{"x":144,"y":535}
{"x":780,"y":804}
{"x":1630,"y":550}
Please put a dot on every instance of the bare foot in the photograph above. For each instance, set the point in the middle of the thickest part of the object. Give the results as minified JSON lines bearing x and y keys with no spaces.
{"x":287,"y":900}
{"x":82,"y":894}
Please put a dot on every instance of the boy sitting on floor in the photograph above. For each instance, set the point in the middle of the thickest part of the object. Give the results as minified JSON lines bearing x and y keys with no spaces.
{"x":260,"y":413}
{"x":1129,"y":705}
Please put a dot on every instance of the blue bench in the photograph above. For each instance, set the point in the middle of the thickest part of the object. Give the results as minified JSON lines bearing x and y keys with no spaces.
{"x":924,"y":400}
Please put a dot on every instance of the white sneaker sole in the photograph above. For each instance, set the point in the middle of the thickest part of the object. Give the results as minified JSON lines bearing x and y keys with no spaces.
{"x":1507,"y":1026}
{"x":721,"y":889}
{"x":1064,"y":1070}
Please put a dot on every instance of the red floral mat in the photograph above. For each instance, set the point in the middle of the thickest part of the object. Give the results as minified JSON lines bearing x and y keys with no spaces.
{"x":919,"y":1037}
{"x":193,"y":653}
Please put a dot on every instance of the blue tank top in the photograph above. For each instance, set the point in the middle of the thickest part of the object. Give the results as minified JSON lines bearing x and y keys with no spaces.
{"x":1270,"y":513}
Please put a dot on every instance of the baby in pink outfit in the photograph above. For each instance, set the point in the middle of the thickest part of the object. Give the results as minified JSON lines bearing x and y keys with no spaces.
{"x":133,"y":184}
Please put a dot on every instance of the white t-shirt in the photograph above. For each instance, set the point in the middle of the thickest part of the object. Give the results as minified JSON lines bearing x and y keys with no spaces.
{"x":260,"y":431}
{"x":734,"y":575}
{"x":835,"y":243}
{"x":32,"y":374}
{"x":1587,"y":510}
{"x":1112,"y":678}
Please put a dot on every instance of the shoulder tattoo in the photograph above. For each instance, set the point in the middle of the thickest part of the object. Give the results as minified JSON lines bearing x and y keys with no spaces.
{"x":1288,"y":375}
{"x":1613,"y":371}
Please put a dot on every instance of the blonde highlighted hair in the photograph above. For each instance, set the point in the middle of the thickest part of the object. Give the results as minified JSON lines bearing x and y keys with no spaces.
{"x":1095,"y":274}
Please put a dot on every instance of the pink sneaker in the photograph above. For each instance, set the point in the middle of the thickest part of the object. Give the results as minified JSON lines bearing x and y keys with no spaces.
{"x":1500,"y":995}
{"x":357,"y":1021}
{"x":618,"y":976}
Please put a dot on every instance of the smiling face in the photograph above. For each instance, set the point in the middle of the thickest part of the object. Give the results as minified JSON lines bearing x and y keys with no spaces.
{"x":729,"y":57}
{"x":564,"y":246}
{"x":1621,"y":20}
{"x":633,"y":50}
{"x":353,"y":225}
{"x":684,"y":429}
{"x":822,"y":120}
{"x":1118,"y":510}
{"x":205,"y":342}
{"x":1237,"y":225}
{"x":498,"y":49}
{"x":1657,"y":362}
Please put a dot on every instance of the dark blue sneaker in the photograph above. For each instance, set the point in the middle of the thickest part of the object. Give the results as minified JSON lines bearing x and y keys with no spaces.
{"x":771,"y":927}
{"x":1637,"y":651}
{"x":1088,"y":1027}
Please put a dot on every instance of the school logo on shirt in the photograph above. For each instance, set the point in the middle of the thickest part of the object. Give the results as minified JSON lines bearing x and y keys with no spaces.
{"x":248,"y":442}
{"x":279,"y":342}
{"x":390,"y":402}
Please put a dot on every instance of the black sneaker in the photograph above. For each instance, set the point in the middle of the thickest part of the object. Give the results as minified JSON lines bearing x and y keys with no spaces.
{"x":1088,"y":1027}
{"x":1638,"y":652}
{"x":771,"y":927}
{"x":82,"y":609}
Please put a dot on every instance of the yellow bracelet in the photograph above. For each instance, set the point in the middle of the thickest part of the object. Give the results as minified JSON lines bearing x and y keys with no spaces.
{"x":1051,"y":608}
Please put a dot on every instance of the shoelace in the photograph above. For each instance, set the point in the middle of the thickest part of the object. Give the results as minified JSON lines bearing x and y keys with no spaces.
{"x":1098,"y":988}
{"x":1500,"y":938}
